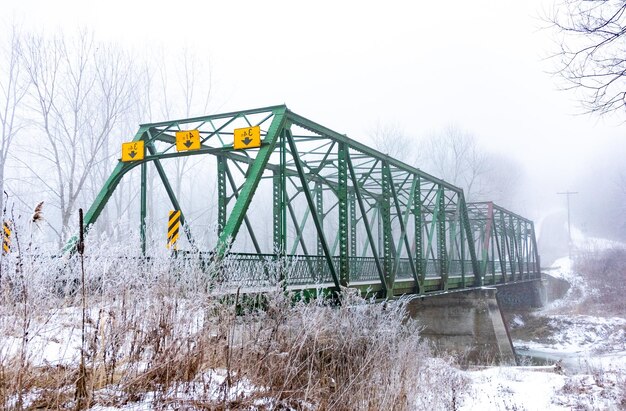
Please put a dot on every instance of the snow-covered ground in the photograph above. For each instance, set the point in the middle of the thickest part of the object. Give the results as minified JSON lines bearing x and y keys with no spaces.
{"x":587,"y":353}
{"x":585,"y":359}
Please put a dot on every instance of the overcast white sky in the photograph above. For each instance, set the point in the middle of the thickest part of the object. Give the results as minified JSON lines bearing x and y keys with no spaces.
{"x":351,"y":64}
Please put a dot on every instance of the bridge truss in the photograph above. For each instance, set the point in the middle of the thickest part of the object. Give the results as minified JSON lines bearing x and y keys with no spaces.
{"x":340,"y":213}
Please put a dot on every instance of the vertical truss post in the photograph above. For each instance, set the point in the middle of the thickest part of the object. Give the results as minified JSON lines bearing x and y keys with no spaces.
{"x":509,"y":246}
{"x":492,"y":262}
{"x":527,"y":242}
{"x":504,"y":246}
{"x":342,"y":194}
{"x":353,"y":224}
{"x":142,"y":214}
{"x":385,"y":213}
{"x":419,"y":243}
{"x":221,"y":194}
{"x":283,"y":189}
{"x":442,"y":254}
{"x":280,"y":243}
{"x":487,"y":230}
{"x":462,"y":245}
{"x":319,"y":203}
{"x":470,"y":242}
{"x":518,"y":246}
{"x":433,"y":224}
{"x":500,"y":252}
{"x":453,"y":247}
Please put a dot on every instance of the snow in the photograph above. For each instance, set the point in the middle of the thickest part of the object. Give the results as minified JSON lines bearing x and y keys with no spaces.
{"x":562,"y":268}
{"x":588,"y":354}
{"x":511,"y":388}
{"x":52,"y":340}
{"x":210,"y":385}
{"x":542,"y":388}
{"x":583,"y":334}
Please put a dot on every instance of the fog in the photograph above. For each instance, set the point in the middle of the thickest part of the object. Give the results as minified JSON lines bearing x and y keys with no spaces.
{"x":351,"y":65}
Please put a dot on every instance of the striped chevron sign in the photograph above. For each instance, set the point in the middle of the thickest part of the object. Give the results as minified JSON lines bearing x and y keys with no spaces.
{"x":6,"y":237}
{"x":172,"y":229}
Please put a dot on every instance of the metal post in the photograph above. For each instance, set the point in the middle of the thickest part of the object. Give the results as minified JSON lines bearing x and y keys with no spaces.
{"x":142,"y":217}
{"x":319,"y":203}
{"x":385,"y":213}
{"x":342,"y":194}
{"x":419,"y":244}
{"x":442,"y":254}
{"x":221,"y":194}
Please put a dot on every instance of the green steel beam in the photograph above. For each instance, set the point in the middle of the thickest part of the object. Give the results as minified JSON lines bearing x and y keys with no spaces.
{"x":315,"y":127}
{"x":353,"y":224}
{"x":110,"y":185}
{"x":279,"y":243}
{"x":142,"y":211}
{"x":274,"y":109}
{"x":342,"y":198}
{"x":222,"y":200}
{"x":319,"y":203}
{"x":246,"y":220}
{"x":419,"y":245}
{"x":368,"y":227}
{"x":255,"y":171}
{"x":442,"y":254}
{"x":299,"y":228}
{"x":403,"y":229}
{"x":309,"y":198}
{"x":470,"y":242}
{"x":385,"y":213}
{"x":170,"y":193}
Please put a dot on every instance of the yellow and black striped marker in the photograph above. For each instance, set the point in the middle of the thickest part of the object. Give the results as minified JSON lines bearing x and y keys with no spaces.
{"x":6,"y":237}
{"x":172,"y":229}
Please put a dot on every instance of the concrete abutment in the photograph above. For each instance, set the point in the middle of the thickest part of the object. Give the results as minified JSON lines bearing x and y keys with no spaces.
{"x":470,"y":322}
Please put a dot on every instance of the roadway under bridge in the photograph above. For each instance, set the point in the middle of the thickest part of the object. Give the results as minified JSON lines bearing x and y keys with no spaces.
{"x":335,"y":212}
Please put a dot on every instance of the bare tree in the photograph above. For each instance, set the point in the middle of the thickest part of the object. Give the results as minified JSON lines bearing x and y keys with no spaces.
{"x":591,"y":51}
{"x":456,"y":156}
{"x":390,"y":139}
{"x":80,"y":92}
{"x":12,"y":91}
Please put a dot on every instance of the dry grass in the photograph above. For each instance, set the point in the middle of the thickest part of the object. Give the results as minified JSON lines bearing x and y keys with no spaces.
{"x":604,"y":272}
{"x":158,"y":332}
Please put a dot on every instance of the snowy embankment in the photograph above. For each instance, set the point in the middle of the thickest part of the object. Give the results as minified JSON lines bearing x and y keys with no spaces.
{"x":587,"y":353}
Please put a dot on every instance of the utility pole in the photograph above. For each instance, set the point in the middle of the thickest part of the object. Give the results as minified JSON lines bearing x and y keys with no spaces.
{"x":569,"y":227}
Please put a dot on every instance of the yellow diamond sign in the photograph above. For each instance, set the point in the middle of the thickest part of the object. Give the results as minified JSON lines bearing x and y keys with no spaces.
{"x":249,"y":137}
{"x":187,"y":140}
{"x":133,"y":151}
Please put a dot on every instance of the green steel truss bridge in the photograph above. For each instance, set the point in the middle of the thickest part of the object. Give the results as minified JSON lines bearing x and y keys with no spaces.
{"x":338,"y":213}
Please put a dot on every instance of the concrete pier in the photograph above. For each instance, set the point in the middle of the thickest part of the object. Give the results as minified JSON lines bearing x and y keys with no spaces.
{"x":523,"y":296}
{"x":468,"y":323}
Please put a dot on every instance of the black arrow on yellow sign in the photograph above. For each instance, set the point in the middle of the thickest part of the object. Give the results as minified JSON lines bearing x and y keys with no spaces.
{"x":246,"y":140}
